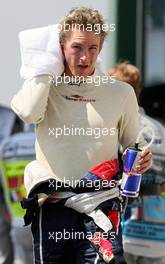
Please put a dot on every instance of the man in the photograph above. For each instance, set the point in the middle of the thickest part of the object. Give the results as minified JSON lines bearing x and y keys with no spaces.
{"x":13,"y":247}
{"x":144,"y":230}
{"x":6,"y":245}
{"x":67,"y":116}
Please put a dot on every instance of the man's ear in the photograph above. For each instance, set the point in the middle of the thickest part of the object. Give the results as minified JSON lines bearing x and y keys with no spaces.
{"x":62,"y":48}
{"x":100,"y":48}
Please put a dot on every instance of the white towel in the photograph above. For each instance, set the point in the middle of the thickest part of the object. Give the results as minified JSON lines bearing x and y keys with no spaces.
{"x":41,"y":52}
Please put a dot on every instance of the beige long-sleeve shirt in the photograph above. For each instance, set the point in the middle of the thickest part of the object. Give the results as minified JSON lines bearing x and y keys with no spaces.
{"x":77,"y":126}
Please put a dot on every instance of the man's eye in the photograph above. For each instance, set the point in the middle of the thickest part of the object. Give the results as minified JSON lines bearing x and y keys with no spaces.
{"x":93,"y":48}
{"x":76,"y":47}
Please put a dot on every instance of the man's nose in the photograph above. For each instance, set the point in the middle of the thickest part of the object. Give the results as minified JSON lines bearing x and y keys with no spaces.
{"x":84,"y":55}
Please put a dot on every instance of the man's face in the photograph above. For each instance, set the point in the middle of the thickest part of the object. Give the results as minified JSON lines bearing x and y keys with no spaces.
{"x":80,"y":50}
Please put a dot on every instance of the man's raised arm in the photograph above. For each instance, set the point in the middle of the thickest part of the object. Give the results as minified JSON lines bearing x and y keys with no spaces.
{"x":30,"y":102}
{"x":42,"y":59}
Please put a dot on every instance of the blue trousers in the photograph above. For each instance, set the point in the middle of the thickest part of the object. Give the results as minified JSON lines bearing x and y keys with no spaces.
{"x":59,"y":237}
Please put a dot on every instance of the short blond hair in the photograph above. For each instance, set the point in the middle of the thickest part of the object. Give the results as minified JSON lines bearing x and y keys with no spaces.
{"x":129,"y":73}
{"x":83,"y":17}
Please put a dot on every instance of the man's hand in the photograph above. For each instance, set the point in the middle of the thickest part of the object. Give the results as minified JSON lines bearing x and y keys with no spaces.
{"x":41,"y":52}
{"x":145,"y":161}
